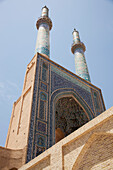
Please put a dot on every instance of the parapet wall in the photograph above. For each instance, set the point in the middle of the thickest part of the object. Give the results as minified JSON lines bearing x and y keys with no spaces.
{"x":11,"y":158}
{"x":89,"y":147}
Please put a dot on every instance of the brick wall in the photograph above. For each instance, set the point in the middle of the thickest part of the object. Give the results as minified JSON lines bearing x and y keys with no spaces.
{"x":90,"y":147}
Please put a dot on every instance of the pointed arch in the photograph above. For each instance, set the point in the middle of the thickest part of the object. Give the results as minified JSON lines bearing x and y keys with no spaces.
{"x":66,"y":92}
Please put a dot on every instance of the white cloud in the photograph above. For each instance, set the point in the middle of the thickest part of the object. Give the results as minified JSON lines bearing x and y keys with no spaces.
{"x":12,"y":84}
{"x":8,"y":92}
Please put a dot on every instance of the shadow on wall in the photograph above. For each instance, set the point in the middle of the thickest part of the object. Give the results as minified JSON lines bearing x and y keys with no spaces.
{"x":58,"y":135}
{"x":69,"y":116}
{"x":12,"y":159}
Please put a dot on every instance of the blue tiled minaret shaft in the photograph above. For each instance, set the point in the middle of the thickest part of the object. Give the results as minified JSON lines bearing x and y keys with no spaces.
{"x":44,"y":25}
{"x":78,"y":49}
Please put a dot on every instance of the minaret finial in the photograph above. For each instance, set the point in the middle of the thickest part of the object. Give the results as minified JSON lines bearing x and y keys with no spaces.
{"x":45,"y":11}
{"x":78,"y":48}
{"x":74,"y":29}
{"x":45,"y":7}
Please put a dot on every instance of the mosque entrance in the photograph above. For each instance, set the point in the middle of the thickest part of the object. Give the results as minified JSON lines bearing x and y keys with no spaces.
{"x":69,"y":116}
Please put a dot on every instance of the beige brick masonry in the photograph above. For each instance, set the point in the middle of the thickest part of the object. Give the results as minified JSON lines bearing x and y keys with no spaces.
{"x":89,"y":147}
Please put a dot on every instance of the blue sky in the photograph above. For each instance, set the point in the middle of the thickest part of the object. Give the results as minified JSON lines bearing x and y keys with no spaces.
{"x":92,"y":18}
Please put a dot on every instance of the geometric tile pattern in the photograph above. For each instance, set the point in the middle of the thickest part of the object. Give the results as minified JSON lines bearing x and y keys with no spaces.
{"x":43,"y":86}
{"x":41,"y":127}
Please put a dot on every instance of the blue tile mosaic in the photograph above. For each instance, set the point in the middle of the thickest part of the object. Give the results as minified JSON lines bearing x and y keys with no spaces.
{"x":59,"y":81}
{"x":39,"y":150}
{"x":97,"y":101}
{"x":42,"y":109}
{"x":32,"y":144}
{"x":41,"y":140}
{"x":31,"y":130}
{"x":41,"y":127}
{"x":44,"y":74}
{"x":68,"y":77}
{"x":43,"y":96}
{"x":43,"y":86}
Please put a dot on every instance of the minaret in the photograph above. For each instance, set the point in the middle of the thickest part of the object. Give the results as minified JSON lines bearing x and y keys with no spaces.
{"x":44,"y":25}
{"x":78,"y":48}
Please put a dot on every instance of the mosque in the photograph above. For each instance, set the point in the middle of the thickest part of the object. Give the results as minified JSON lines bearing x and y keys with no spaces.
{"x":60,"y":120}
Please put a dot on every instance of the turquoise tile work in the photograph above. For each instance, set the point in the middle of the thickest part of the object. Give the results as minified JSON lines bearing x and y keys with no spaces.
{"x":44,"y":25}
{"x":97,"y":101}
{"x":42,"y":45}
{"x":70,"y":78}
{"x":81,"y":65}
{"x":78,"y":48}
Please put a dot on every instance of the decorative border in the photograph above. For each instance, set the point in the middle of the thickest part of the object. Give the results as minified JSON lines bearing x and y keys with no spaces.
{"x":100,"y":110}
{"x":46,"y":103}
{"x":31,"y":138}
{"x":43,"y":83}
{"x":45,"y":62}
{"x":38,"y":134}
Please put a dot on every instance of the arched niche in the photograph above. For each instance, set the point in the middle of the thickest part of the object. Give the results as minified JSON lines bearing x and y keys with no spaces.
{"x":69,"y":116}
{"x":55,"y":97}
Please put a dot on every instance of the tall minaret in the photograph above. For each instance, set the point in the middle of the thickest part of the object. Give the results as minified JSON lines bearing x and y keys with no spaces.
{"x":78,"y":48}
{"x":44,"y":25}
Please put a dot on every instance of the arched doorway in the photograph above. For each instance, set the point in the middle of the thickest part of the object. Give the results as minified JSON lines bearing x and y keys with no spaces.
{"x":69,"y":116}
